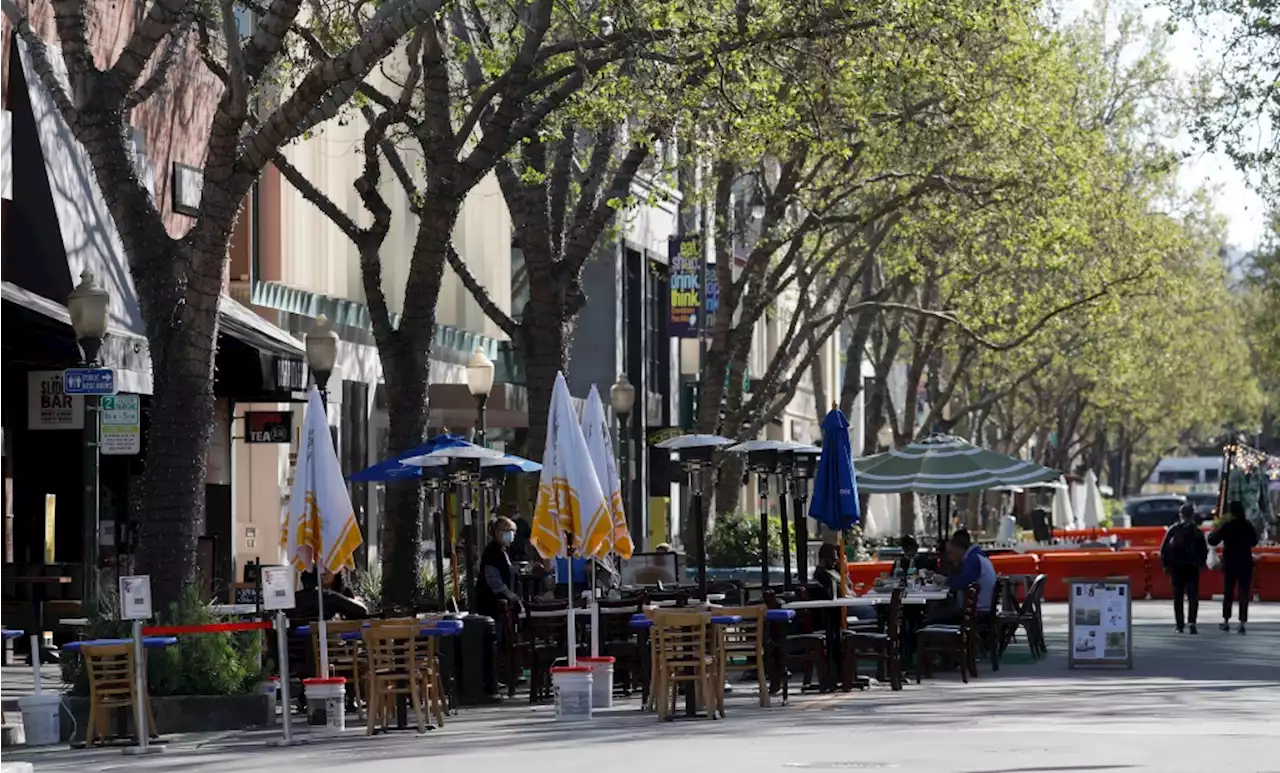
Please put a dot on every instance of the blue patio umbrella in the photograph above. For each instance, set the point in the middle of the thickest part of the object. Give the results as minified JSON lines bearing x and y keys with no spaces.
{"x":396,"y":469}
{"x":835,"y":489}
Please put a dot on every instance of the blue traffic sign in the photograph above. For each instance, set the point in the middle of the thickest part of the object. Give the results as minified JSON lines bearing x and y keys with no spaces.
{"x":89,"y":381}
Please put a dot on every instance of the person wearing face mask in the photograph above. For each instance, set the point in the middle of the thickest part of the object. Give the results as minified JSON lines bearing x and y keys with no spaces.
{"x":497,"y":576}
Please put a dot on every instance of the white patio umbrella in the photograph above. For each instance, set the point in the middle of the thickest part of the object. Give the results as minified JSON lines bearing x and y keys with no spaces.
{"x":1094,"y":510}
{"x":1063,"y":513}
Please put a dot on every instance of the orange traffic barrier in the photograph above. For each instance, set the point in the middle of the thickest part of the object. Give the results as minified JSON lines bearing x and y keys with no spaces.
{"x":1264,"y":549}
{"x":866,"y":572}
{"x":1058,"y":566}
{"x":1266,"y":576}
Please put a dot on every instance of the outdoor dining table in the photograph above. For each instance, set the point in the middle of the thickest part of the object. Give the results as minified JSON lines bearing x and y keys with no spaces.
{"x":914,"y":602}
{"x":833,"y":627}
{"x":37,"y":593}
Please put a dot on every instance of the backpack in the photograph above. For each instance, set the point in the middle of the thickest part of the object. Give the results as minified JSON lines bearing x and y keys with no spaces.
{"x":1181,"y":548}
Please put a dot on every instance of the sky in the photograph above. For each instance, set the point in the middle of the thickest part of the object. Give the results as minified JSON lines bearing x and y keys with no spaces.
{"x":1233,"y":197}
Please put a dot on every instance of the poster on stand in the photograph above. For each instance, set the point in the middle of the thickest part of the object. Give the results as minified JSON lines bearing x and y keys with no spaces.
{"x":1101,"y":631}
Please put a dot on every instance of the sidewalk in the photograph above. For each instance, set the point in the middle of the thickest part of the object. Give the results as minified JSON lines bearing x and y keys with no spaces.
{"x":1184,"y":699}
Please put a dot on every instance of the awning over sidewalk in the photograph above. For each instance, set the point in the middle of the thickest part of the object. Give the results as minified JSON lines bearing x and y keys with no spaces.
{"x":90,"y":240}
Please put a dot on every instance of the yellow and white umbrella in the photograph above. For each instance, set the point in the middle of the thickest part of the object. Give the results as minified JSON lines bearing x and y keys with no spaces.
{"x":595,"y":428}
{"x":319,"y":530}
{"x":572,"y":517}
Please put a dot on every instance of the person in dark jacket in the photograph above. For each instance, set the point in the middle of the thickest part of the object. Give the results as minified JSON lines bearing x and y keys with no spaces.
{"x":1182,"y":554}
{"x":911,"y":558}
{"x":497,"y":575}
{"x":1237,"y":538}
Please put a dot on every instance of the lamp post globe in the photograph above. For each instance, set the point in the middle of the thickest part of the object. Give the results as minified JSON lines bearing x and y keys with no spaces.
{"x":480,"y":384}
{"x":322,"y":352}
{"x":87,"y":305}
{"x":622,"y":396}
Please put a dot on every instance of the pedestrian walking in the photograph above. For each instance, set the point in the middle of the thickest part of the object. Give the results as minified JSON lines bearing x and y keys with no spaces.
{"x":1182,"y":554}
{"x":1238,"y":538}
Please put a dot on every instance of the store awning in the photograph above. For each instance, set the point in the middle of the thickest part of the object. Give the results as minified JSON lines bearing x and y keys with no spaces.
{"x":91,"y":242}
{"x":124,"y":350}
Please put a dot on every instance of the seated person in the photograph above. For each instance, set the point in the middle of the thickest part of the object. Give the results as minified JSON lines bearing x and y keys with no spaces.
{"x":339,"y":599}
{"x":827,"y":575}
{"x":911,"y":558}
{"x":975,"y":567}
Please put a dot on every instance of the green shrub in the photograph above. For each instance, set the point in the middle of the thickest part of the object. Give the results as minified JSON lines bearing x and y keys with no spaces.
{"x":734,"y":540}
{"x":200,"y":664}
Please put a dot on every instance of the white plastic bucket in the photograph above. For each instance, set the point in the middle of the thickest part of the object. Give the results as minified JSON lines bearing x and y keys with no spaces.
{"x":601,"y":680}
{"x":41,"y":718}
{"x":332,"y":694}
{"x":572,"y":686}
{"x":270,"y":689}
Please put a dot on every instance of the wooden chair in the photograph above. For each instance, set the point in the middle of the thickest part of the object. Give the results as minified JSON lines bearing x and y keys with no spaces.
{"x":957,"y":641}
{"x":805,"y":648}
{"x":742,"y":647}
{"x":394,"y":664}
{"x":344,"y":654}
{"x":683,"y":656}
{"x":885,"y":647}
{"x":432,"y":682}
{"x":112,"y":685}
{"x":1028,"y":617}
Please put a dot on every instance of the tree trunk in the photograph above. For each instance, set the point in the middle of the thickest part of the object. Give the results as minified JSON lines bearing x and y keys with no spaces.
{"x":545,"y":344}
{"x":406,"y":362}
{"x":179,"y":284}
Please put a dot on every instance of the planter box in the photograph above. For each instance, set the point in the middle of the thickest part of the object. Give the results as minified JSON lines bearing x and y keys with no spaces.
{"x":179,"y":714}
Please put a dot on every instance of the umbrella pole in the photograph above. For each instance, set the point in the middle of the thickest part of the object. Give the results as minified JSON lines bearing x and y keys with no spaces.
{"x":844,"y":574}
{"x":323,"y":665}
{"x":572,"y":632}
{"x":786,"y":533}
{"x":802,"y":531}
{"x":762,"y":480}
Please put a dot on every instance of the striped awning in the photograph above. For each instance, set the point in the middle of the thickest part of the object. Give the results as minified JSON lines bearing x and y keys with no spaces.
{"x":945,"y":464}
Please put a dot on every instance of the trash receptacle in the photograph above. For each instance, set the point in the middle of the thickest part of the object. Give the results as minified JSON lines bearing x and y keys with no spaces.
{"x":476,"y":658}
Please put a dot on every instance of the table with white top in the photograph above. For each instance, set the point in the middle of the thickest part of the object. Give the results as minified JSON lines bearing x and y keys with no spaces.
{"x":846,"y":602}
{"x":913,"y":596}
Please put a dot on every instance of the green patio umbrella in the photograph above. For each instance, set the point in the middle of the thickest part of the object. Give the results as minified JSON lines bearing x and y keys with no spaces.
{"x":945,"y":465}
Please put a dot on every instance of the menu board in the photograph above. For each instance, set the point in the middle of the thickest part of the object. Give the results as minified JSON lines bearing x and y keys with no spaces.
{"x":1101,"y":630}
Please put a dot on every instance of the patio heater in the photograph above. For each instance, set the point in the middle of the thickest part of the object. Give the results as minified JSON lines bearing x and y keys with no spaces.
{"x":763,"y":458}
{"x":783,"y":471}
{"x":435,"y":490}
{"x":695,"y":455}
{"x":464,"y":472}
{"x":804,"y":465}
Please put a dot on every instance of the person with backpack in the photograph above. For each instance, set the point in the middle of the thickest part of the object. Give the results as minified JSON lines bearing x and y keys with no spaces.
{"x":1238,"y":538}
{"x":1182,"y":554}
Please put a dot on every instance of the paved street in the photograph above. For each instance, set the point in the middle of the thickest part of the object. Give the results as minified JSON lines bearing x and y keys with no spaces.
{"x":1190,"y":704}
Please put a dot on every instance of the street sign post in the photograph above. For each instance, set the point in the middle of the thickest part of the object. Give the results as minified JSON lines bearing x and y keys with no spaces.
{"x":121,"y":417}
{"x":89,"y":381}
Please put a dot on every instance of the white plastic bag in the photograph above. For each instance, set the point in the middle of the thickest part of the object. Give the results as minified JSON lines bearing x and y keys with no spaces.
{"x":1212,"y":560}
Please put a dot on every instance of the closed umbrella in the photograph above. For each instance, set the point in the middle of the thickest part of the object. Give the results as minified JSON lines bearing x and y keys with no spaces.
{"x":835,"y":488}
{"x":572,"y":516}
{"x":1063,"y":515}
{"x":1094,"y":510}
{"x":319,"y":529}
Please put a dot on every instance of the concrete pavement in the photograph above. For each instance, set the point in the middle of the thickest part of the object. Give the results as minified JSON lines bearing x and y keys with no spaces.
{"x":1190,"y":704}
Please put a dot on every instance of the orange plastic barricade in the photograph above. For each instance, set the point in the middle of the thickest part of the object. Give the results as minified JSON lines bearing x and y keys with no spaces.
{"x":866,"y":572}
{"x":1058,"y":566}
{"x":1266,"y":575}
{"x":1265,"y":549}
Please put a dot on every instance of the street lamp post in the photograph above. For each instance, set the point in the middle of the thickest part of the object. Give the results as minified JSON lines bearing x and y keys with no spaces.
{"x":622,"y":396}
{"x":322,"y":355}
{"x":87,"y":305}
{"x":479,"y":384}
